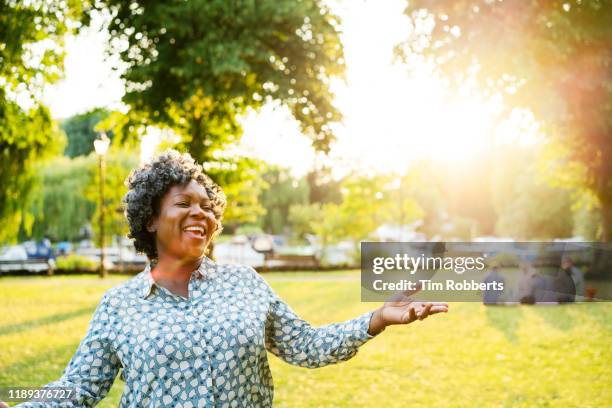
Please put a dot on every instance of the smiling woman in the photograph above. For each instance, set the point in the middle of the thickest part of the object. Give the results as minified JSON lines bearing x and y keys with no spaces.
{"x":189,"y":332}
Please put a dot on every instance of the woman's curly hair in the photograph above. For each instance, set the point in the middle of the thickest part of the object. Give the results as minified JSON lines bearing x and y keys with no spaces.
{"x":148,"y":184}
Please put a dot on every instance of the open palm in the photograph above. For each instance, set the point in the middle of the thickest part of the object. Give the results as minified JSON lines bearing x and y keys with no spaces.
{"x":407,"y":311}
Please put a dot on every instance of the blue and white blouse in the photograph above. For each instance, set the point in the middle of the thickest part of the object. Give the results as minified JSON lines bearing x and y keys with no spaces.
{"x":202,"y":351}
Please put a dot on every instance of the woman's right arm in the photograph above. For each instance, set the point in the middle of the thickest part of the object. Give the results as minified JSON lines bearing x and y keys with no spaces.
{"x":93,"y":368}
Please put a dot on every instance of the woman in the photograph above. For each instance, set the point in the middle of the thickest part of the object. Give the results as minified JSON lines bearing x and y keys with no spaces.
{"x":188,"y":332}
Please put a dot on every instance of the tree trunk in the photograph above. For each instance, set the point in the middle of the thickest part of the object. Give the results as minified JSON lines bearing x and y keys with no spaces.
{"x":606,"y":220}
{"x":602,"y":260}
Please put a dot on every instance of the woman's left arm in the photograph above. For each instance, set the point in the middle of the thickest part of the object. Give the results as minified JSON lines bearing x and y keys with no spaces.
{"x":297,"y":342}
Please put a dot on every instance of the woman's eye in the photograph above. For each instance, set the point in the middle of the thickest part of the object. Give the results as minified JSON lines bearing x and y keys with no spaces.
{"x":183,"y":204}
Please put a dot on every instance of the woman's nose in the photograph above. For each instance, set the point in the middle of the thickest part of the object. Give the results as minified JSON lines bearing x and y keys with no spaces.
{"x":196,"y":210}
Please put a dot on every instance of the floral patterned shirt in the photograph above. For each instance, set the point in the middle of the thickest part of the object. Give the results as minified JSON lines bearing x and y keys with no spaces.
{"x":202,"y":351}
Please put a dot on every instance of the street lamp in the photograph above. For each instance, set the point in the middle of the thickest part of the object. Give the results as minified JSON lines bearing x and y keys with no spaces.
{"x":101,"y":146}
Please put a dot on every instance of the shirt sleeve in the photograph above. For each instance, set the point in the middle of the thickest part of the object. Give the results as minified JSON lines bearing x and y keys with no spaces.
{"x":295,"y":341}
{"x":92,"y":369}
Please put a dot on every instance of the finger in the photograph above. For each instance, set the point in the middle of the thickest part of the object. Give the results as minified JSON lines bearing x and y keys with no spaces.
{"x":438,"y":309}
{"x":410,"y":315}
{"x":425,"y":312}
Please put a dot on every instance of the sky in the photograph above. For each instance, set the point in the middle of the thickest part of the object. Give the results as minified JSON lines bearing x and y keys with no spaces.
{"x":391,"y":117}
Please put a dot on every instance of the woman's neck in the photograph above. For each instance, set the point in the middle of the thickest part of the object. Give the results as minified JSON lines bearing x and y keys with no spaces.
{"x":174,"y":269}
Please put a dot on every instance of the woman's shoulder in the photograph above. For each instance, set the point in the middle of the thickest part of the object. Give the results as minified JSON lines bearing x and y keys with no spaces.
{"x":239,"y":270}
{"x":243,"y":273}
{"x":133,"y":287}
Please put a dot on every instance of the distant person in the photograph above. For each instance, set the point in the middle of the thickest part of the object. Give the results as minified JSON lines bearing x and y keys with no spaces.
{"x":564,"y":287}
{"x":541,"y":288}
{"x":567,"y":264}
{"x":526,"y":284}
{"x":491,"y":297}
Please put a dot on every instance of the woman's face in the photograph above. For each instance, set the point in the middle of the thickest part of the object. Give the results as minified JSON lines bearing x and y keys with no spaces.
{"x":185,"y":224}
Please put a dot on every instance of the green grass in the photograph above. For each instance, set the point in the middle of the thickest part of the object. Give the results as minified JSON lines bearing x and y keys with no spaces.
{"x":473,"y":356}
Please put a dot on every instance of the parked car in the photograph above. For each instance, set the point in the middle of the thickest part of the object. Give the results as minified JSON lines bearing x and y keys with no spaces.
{"x":13,"y":253}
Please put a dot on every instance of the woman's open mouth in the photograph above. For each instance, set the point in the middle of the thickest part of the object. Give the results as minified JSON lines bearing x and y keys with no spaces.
{"x":195,"y":231}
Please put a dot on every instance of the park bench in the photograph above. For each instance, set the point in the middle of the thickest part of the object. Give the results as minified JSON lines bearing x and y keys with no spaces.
{"x":28,"y":265}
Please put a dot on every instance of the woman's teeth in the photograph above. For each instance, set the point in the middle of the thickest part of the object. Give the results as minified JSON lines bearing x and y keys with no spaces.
{"x":199,"y":230}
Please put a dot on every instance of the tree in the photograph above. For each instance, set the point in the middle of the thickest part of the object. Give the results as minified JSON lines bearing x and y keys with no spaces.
{"x":80,"y":131}
{"x":31,"y":56}
{"x":322,"y":186}
{"x":303,"y":218}
{"x":527,"y":206}
{"x":60,"y":210}
{"x":242,"y":182}
{"x":424,"y":182}
{"x":551,"y":57}
{"x":197,"y":65}
{"x":282,"y":193}
{"x":365,"y":206}
{"x":66,"y":197}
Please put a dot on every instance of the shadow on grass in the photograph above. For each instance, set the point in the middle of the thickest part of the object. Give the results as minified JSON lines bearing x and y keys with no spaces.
{"x":505,"y":319}
{"x":32,"y":324}
{"x":561,"y":317}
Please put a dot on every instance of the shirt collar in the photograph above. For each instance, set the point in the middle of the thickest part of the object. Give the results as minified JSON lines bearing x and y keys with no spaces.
{"x":146,"y":283}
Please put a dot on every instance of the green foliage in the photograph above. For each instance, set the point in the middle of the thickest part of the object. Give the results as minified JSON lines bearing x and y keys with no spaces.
{"x":31,"y":56}
{"x":367,"y":203}
{"x":25,"y":137}
{"x":282,"y":193}
{"x":60,"y":210}
{"x":194,"y":67}
{"x":67,"y":196}
{"x":551,"y":57}
{"x":197,"y":65}
{"x":527,"y":206}
{"x":80,"y":131}
{"x":240,"y":178}
{"x":404,"y":208}
{"x":535,"y":211}
{"x":303,"y":218}
{"x":119,"y":164}
{"x":322,"y":187}
{"x":425,"y":184}
{"x":76,"y":262}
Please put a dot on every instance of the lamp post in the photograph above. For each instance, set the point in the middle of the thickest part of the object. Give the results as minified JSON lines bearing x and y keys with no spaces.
{"x":101,"y":146}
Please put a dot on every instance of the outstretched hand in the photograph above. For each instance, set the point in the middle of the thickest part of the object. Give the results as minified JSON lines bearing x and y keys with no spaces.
{"x":403,"y":311}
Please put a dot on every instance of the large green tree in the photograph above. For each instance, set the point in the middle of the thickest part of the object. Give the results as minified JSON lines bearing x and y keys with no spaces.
{"x":197,"y":65}
{"x":31,"y":56}
{"x":552,"y":57}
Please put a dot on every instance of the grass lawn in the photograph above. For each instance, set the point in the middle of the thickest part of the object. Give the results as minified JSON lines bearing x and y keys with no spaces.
{"x":473,"y":356}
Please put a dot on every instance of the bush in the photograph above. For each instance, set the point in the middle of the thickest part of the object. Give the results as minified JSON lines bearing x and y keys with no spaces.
{"x":75,"y":262}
